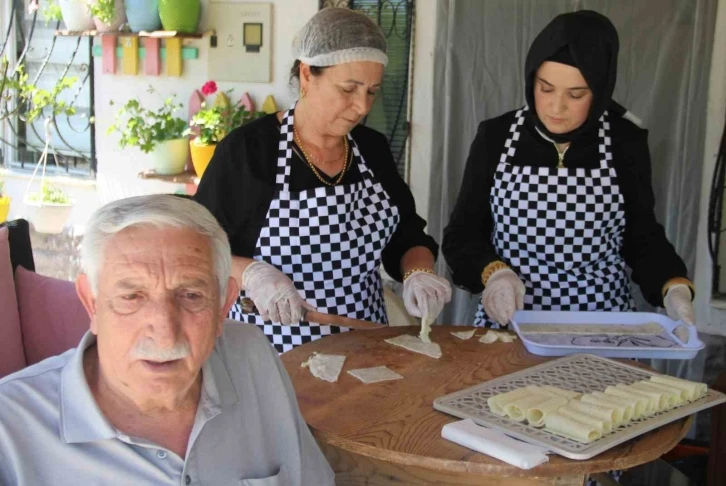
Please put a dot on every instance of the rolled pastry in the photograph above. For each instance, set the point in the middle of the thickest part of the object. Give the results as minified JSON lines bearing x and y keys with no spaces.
{"x":572,"y":429}
{"x":653,"y":402}
{"x":599,"y":425}
{"x":675,"y":393}
{"x":569,"y":394}
{"x":625,"y":411}
{"x":633,"y":406}
{"x":666,"y":401}
{"x":537,"y":414}
{"x":642,"y":404}
{"x":497,"y":402}
{"x":517,"y":410}
{"x":682,"y":393}
{"x":599,"y":412}
{"x":695,"y":390}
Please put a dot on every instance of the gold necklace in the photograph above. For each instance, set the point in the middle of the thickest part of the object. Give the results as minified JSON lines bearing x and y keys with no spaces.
{"x":312,"y":166}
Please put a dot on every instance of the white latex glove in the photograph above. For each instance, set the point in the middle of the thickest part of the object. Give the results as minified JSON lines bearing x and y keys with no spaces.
{"x":425,"y":294}
{"x":502,"y":296}
{"x":678,"y":304}
{"x":274,"y":294}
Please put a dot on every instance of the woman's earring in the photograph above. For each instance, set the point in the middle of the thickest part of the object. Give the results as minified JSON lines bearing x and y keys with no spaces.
{"x":302,"y":93}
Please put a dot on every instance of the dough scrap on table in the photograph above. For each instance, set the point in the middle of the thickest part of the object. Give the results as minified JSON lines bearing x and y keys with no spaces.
{"x":375,"y":375}
{"x":464,"y":335}
{"x":325,"y":366}
{"x":493,"y":336}
{"x":412,"y":343}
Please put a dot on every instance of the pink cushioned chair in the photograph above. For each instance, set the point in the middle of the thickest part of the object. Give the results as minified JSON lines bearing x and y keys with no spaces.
{"x":40,"y":316}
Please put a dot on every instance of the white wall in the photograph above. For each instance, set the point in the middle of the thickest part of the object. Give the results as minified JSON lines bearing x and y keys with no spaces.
{"x":117,"y":169}
{"x":422,"y":105}
{"x":711,"y":316}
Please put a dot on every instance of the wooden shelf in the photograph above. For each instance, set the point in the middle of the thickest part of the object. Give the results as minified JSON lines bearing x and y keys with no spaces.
{"x":188,"y":177}
{"x":160,"y":34}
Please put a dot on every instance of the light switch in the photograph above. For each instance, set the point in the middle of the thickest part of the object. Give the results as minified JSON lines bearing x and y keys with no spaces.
{"x":243,"y":49}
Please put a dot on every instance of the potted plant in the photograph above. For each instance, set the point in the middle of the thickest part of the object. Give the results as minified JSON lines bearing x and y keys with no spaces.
{"x":4,"y":203}
{"x":212,"y":123}
{"x":48,"y":209}
{"x":108,"y":15}
{"x":75,"y":15}
{"x":157,"y":132}
{"x":143,"y":15}
{"x":180,"y":15}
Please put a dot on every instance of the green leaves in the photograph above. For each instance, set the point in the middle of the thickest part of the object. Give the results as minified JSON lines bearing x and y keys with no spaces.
{"x":103,"y":10}
{"x":145,"y":128}
{"x":51,"y":11}
{"x":49,"y":194}
{"x":32,"y":102}
{"x":216,"y":122}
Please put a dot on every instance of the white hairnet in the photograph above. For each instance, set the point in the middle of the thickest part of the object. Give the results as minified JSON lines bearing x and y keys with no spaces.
{"x":337,"y":35}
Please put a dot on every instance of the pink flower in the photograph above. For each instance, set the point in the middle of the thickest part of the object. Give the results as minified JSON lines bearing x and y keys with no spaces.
{"x":209,"y":88}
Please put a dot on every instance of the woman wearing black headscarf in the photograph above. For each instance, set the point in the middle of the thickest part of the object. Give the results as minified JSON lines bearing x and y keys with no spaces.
{"x":557,"y":199}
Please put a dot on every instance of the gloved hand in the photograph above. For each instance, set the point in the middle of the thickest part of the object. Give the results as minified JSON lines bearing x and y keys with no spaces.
{"x":503,"y":294}
{"x":425,"y":294}
{"x":678,"y":304}
{"x":273,"y":293}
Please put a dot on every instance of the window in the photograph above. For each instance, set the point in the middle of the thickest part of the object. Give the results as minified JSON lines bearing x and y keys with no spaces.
{"x":29,"y":40}
{"x":390,"y":113}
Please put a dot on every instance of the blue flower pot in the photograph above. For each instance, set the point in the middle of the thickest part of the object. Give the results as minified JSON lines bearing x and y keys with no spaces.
{"x":143,"y":15}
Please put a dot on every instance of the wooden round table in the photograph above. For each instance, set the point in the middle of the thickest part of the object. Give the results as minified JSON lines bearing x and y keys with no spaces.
{"x":389,"y":433}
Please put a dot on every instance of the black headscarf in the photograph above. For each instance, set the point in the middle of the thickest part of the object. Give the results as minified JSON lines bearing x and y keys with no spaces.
{"x":588,"y":41}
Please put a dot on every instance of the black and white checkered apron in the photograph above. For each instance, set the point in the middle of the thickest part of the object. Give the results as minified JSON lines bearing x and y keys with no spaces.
{"x":329,"y":242}
{"x":561,"y":230}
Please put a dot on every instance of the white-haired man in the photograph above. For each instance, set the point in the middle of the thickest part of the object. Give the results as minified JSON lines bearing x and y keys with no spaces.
{"x":158,"y":391}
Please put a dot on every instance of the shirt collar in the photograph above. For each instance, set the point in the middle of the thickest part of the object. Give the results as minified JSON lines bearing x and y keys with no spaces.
{"x":81,"y":420}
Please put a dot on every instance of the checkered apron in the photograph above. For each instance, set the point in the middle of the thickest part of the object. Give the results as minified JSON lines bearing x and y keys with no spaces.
{"x":329,"y":241}
{"x":561,"y":230}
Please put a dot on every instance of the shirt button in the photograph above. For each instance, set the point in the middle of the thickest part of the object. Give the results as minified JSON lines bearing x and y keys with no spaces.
{"x":188,"y":479}
{"x":161,"y":454}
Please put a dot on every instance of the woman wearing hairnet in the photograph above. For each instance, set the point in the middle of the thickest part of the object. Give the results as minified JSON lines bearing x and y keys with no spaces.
{"x":556,"y":198}
{"x":312,"y":201}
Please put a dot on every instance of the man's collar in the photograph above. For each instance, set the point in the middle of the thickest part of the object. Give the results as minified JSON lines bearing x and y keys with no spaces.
{"x":81,"y":420}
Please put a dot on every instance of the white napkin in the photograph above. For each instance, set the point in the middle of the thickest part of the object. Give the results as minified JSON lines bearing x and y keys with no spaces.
{"x":494,"y":443}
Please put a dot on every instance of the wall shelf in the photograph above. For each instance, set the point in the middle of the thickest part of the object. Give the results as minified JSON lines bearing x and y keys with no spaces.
{"x":151,"y":53}
{"x":187,"y":177}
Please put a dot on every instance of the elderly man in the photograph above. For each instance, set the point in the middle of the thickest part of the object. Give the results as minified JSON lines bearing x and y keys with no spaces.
{"x":158,"y":391}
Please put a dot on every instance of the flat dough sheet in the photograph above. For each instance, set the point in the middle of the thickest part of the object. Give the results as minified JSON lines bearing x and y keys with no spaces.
{"x":651,"y":328}
{"x":325,"y":366}
{"x":412,"y":343}
{"x":375,"y":375}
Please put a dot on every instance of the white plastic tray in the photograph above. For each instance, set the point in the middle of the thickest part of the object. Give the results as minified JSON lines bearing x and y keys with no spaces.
{"x":581,"y":373}
{"x":665,"y":346}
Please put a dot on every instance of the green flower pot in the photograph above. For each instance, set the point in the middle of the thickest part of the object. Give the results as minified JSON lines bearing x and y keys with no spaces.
{"x":180,"y":15}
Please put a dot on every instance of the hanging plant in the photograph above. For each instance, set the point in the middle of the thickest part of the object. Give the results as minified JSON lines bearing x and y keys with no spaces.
{"x":103,"y":10}
{"x":49,"y":195}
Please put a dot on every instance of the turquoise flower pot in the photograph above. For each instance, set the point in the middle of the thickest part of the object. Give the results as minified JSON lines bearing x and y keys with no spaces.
{"x":143,"y":15}
{"x":180,"y":15}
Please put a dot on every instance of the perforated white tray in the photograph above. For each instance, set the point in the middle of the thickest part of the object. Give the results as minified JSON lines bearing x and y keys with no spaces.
{"x":582,"y":373}
{"x":667,"y":345}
